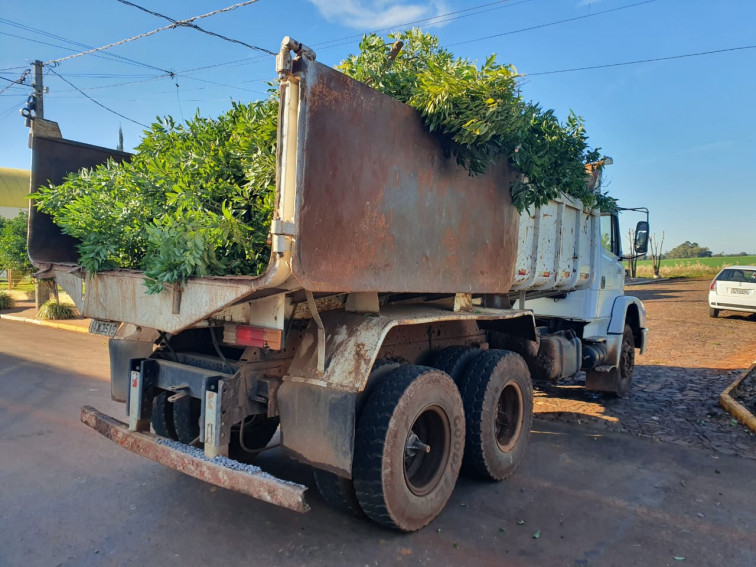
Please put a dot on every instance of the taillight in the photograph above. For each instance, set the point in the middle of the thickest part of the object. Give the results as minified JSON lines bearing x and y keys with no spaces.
{"x":713,"y":285}
{"x":247,"y":335}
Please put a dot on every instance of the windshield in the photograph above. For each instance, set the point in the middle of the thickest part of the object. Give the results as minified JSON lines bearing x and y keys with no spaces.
{"x":737,"y":275}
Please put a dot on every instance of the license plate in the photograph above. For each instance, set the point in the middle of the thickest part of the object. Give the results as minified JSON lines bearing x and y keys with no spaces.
{"x":105,"y":328}
{"x":739,"y":291}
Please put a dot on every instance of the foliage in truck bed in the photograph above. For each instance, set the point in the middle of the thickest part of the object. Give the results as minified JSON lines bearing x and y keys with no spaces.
{"x":482,"y":116}
{"x":197,"y":198}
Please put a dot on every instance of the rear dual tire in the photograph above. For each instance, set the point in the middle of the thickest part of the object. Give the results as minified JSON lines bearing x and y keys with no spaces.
{"x":409,"y":445}
{"x":498,"y":401}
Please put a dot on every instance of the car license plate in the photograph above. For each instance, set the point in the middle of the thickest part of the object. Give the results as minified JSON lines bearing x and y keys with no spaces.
{"x":105,"y":328}
{"x":739,"y":291}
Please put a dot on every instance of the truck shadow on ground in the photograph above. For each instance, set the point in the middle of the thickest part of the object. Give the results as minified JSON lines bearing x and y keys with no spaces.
{"x":667,"y":404}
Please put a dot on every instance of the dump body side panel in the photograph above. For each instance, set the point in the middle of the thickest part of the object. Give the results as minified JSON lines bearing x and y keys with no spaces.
{"x":555,"y":247}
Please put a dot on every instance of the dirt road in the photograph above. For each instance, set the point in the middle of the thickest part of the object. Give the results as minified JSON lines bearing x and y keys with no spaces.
{"x":582,"y":497}
{"x":682,"y":334}
{"x":690,"y":359}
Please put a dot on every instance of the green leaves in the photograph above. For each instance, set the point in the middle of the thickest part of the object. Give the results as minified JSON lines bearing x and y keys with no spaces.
{"x":196,"y":199}
{"x":13,"y":251}
{"x":482,"y":117}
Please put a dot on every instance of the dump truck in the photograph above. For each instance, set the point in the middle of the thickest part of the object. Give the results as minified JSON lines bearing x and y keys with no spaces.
{"x":395,"y":334}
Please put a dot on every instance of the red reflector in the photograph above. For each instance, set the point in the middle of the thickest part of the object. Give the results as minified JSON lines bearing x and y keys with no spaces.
{"x":246,"y":335}
{"x":250,"y":336}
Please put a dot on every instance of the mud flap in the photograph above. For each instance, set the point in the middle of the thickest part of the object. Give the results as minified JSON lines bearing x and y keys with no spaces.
{"x":602,"y":381}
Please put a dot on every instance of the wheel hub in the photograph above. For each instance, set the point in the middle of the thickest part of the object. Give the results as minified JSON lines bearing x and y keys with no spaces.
{"x":426,"y":450}
{"x":509,"y":416}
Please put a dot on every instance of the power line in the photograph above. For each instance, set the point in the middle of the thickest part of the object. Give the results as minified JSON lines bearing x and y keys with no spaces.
{"x":117,"y":84}
{"x":94,"y":101}
{"x":112,"y":56}
{"x":441,"y":19}
{"x":19,"y":81}
{"x":448,"y":17}
{"x":13,"y":108}
{"x":196,"y":27}
{"x":607,"y":65}
{"x":553,"y":23}
{"x":153,"y":32}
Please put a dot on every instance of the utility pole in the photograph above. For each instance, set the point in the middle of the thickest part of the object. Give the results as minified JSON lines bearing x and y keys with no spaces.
{"x":45,"y":288}
{"x":39,"y":90}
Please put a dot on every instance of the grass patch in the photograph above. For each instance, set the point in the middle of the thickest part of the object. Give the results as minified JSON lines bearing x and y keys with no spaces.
{"x":6,"y":301}
{"x":56,"y":310}
{"x":23,"y":285}
{"x":692,"y":267}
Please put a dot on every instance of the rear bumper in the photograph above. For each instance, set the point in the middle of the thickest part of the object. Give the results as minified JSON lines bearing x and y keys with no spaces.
{"x":220,"y":471}
{"x":732,"y":306}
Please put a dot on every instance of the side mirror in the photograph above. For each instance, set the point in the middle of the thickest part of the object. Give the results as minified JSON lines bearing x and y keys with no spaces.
{"x":641,"y":238}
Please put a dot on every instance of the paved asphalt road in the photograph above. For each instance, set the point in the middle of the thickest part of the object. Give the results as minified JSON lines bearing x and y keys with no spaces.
{"x":70,"y":497}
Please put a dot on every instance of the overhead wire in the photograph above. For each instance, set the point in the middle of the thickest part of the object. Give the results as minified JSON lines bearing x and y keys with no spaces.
{"x":94,"y":101}
{"x":99,"y":87}
{"x":196,"y":27}
{"x":14,"y":107}
{"x":113,"y":56}
{"x":153,"y":32}
{"x":447,"y":17}
{"x":441,"y":19}
{"x":651,"y":60}
{"x":20,"y":81}
{"x":557,"y":22}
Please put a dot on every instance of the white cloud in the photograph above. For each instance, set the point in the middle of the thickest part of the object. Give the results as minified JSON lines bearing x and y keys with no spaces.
{"x":375,"y":14}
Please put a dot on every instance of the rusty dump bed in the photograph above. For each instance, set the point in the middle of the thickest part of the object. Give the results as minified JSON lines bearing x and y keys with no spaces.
{"x":367,"y":201}
{"x":225,"y":473}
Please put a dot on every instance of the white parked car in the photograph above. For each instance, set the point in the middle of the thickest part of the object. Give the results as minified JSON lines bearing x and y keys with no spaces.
{"x":734,"y":289}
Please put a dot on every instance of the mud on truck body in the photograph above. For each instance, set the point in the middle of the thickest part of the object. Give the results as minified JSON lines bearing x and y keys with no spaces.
{"x":394,"y":335}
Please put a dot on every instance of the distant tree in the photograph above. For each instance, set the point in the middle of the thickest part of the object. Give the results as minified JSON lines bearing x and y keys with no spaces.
{"x":13,"y":252}
{"x":606,"y":241}
{"x":655,"y":245}
{"x":689,"y":249}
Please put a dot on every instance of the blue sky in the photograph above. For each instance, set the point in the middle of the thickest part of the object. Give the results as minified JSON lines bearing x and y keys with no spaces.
{"x":682,"y":132}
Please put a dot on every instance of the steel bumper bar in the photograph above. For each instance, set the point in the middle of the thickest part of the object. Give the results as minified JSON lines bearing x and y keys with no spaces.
{"x":251,"y":481}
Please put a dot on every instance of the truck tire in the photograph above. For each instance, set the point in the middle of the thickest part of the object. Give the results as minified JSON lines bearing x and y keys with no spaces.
{"x":498,"y":398}
{"x":409,"y":444}
{"x":713,"y":312}
{"x":186,"y":416}
{"x":162,"y":416}
{"x":454,"y":360}
{"x":626,"y":363}
{"x":337,"y":492}
{"x":617,"y":381}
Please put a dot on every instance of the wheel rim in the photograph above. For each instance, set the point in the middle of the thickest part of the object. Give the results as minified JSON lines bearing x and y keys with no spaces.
{"x":509,"y":416}
{"x":426,"y":450}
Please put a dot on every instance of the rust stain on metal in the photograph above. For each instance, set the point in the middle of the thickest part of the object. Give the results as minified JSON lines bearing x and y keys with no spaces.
{"x":258,"y":485}
{"x":382,"y":207}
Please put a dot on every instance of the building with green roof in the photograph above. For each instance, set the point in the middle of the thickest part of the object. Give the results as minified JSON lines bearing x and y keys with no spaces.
{"x":14,"y":187}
